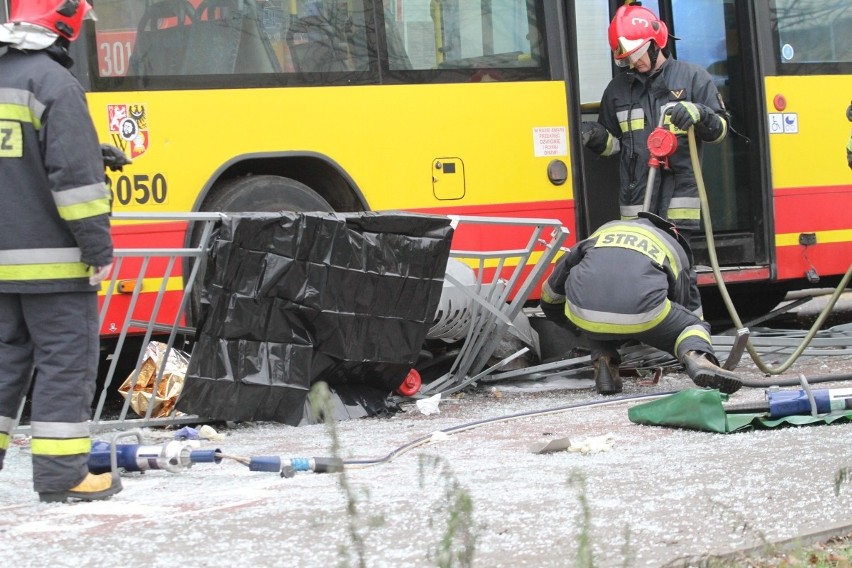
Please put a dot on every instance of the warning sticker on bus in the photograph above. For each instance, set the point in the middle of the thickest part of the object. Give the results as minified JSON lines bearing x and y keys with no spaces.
{"x":550,"y":141}
{"x":128,"y":125}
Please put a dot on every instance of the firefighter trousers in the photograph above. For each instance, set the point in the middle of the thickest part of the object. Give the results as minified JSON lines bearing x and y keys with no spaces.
{"x":50,"y":342}
{"x":680,"y":331}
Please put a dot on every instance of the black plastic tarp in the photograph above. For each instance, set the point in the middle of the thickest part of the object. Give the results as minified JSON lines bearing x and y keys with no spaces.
{"x":295,"y":298}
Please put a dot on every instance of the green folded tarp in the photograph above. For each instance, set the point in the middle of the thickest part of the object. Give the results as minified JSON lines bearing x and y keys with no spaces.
{"x":703,"y":409}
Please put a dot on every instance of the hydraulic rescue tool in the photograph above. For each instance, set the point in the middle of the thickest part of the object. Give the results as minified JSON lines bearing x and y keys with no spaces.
{"x":172,"y":456}
{"x":802,"y":402}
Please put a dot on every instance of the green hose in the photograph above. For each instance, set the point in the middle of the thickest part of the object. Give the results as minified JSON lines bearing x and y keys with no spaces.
{"x":714,"y":263}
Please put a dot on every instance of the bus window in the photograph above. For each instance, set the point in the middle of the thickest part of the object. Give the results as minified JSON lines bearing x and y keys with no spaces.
{"x":813,"y":31}
{"x":186,"y":38}
{"x":424,"y":34}
{"x":594,"y":56}
{"x":327,"y":36}
{"x":708,"y":35}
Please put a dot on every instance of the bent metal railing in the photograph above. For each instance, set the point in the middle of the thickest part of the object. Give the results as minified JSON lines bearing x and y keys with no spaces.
{"x":504,"y":280}
{"x":148,"y":318}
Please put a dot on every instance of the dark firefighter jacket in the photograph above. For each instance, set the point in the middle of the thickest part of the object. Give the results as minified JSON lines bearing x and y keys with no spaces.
{"x":54,"y":218}
{"x":630,"y":110}
{"x":623,"y":278}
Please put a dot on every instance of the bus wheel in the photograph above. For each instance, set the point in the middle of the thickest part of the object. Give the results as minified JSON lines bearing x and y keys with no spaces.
{"x":265,"y":193}
{"x":262,"y":193}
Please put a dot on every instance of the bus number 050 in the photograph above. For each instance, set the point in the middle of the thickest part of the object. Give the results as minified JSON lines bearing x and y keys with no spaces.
{"x":141,"y":189}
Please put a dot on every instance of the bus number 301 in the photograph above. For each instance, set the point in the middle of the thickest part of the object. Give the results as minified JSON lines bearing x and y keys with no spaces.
{"x":140,"y":189}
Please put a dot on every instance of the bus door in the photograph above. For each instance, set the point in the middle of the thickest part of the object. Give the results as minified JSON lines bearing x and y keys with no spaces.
{"x":713,"y":34}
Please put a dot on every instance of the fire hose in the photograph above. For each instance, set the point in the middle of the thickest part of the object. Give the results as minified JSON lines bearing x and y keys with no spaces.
{"x":662,"y":143}
{"x":732,"y":311}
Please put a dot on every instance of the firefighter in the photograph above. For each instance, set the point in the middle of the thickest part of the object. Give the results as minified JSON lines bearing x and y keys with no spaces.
{"x":630,"y":280}
{"x":55,"y":247}
{"x":653,"y":84}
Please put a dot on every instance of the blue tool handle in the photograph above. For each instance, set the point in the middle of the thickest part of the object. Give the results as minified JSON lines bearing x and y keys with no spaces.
{"x":790,"y":403}
{"x":205,"y":456}
{"x":265,"y":463}
{"x":99,"y":457}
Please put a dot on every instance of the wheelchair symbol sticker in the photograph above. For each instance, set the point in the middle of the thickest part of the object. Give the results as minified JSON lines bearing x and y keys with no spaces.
{"x":786,"y":123}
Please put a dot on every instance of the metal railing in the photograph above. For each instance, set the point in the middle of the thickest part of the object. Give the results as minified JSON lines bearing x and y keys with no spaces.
{"x":185,"y":263}
{"x":503,"y":282}
{"x":498,"y":300}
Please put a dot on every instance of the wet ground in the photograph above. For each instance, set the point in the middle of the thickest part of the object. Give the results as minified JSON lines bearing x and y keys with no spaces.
{"x":656,"y":496}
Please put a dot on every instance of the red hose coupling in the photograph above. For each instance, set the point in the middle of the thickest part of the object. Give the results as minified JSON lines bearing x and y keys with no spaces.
{"x":662,"y":143}
{"x":411,"y":384}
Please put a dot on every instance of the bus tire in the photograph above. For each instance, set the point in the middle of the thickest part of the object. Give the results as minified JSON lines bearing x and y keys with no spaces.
{"x":261,"y":193}
{"x":265,"y":193}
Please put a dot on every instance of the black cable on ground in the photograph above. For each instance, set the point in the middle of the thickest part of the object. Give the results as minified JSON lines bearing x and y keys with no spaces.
{"x":794,"y":381}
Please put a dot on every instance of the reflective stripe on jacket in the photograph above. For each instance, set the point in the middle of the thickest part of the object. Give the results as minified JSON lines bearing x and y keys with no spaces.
{"x":631,"y":107}
{"x":622,"y":279}
{"x":54,"y":222}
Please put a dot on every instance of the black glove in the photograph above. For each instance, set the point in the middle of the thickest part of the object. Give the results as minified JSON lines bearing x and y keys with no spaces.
{"x":686,"y":114}
{"x":113,"y":157}
{"x":849,"y":112}
{"x":595,"y":136}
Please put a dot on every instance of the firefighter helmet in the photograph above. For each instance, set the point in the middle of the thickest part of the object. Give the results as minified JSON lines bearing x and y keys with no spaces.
{"x":631,"y":31}
{"x":671,"y":229}
{"x":63,"y":17}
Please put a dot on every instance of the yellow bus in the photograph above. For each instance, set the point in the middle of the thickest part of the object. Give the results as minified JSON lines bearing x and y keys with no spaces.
{"x":470,"y":107}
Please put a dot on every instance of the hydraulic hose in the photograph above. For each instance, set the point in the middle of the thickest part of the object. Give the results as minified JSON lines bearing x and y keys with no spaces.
{"x":732,"y":311}
{"x":369,"y":462}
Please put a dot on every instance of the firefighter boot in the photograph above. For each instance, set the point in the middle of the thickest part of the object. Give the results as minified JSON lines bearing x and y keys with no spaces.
{"x":92,"y":488}
{"x":607,"y":377}
{"x":704,"y":372}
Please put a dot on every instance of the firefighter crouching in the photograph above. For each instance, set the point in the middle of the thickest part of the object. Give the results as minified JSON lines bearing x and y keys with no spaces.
{"x":55,"y":247}
{"x":631,"y":280}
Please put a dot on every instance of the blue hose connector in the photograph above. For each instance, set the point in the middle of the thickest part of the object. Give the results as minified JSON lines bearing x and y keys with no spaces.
{"x":265,"y":463}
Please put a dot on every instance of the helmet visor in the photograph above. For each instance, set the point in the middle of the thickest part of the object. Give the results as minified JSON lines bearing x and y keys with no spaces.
{"x":629,"y":51}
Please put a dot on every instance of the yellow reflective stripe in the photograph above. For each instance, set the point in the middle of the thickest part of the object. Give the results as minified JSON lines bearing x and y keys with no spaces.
{"x":633,"y":125}
{"x":624,"y":236}
{"x":84,"y":210}
{"x":4,"y":441}
{"x":549,"y":296}
{"x":684,"y":213}
{"x":11,"y":139}
{"x":21,"y":113}
{"x":724,"y":132}
{"x":613,"y":145}
{"x":43,"y":271}
{"x":473,"y":262}
{"x":823,"y":237}
{"x":618,"y":328}
{"x":692,"y":331}
{"x":152,"y":285}
{"x":63,"y":447}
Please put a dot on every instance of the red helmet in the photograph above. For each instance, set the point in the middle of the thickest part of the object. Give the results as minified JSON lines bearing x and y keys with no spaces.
{"x":64,"y":17}
{"x":631,"y":31}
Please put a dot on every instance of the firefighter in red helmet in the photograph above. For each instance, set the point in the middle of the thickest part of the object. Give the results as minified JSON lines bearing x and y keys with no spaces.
{"x":55,"y":247}
{"x":651,"y":86}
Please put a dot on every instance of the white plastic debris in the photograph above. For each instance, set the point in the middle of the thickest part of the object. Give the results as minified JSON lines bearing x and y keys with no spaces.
{"x":429,"y":405}
{"x":209,"y":433}
{"x":594,"y":444}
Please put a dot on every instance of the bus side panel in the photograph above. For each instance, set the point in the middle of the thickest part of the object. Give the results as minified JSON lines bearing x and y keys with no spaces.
{"x":812,"y":182}
{"x":387,"y":138}
{"x":154,"y":278}
{"x":820,"y":213}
